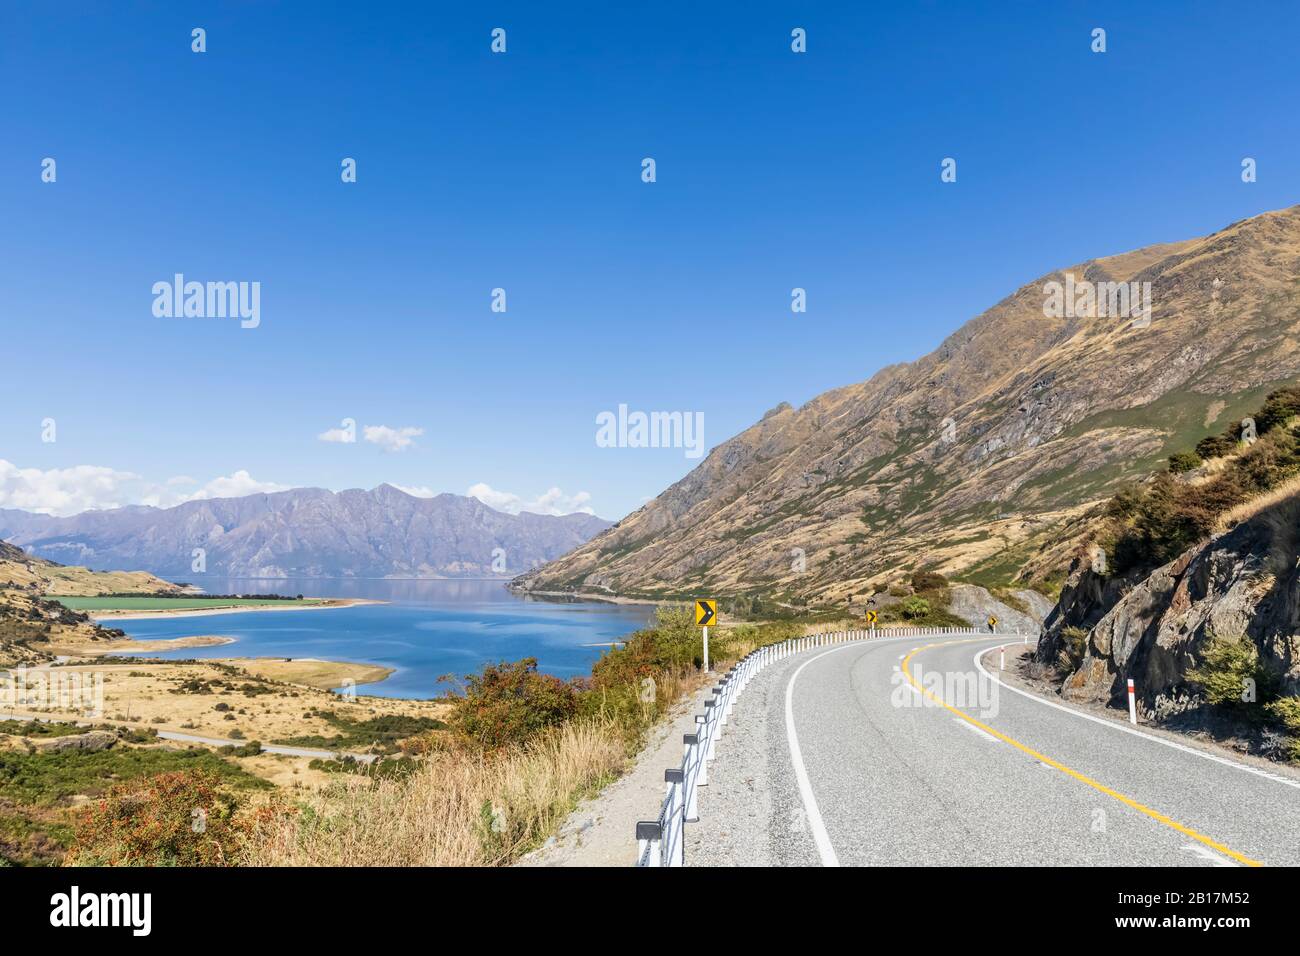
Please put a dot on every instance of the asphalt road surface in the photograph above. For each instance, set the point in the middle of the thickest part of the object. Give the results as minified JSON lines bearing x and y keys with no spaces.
{"x":901,"y":751}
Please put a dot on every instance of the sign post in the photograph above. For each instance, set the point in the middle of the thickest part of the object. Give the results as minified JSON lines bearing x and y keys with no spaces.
{"x":871,"y":619}
{"x":706,"y":613}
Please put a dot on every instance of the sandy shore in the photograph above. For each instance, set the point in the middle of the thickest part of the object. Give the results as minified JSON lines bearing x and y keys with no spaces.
{"x":130,"y":646}
{"x":312,"y":671}
{"x":325,"y":605}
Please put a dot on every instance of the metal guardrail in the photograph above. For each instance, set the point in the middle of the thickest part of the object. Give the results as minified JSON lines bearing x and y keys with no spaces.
{"x":662,"y":841}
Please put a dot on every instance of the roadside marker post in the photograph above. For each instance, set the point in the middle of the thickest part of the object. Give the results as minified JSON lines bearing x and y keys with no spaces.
{"x":1132,"y":703}
{"x":1002,"y":657}
{"x":706,"y":613}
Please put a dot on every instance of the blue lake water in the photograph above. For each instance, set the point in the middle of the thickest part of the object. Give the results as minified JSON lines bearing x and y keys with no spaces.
{"x":428,"y":629}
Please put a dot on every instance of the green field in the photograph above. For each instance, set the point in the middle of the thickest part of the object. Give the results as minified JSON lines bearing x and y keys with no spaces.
{"x":93,"y":604}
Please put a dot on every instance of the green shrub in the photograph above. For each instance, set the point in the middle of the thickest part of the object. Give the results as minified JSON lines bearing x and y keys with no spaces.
{"x":1216,"y":446}
{"x":1074,"y":643}
{"x":1229,"y":668}
{"x":509,"y":703}
{"x":673,"y":643}
{"x":1184,"y":462}
{"x":1286,"y":711}
{"x":1279,"y":408}
{"x":928,"y":581}
{"x":915,"y":607}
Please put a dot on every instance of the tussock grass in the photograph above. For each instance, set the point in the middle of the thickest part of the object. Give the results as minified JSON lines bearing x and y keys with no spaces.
{"x":1273,"y":499}
{"x":454,"y":809}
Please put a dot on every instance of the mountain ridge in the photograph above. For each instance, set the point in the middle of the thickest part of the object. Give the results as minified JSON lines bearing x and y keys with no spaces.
{"x":307,"y":532}
{"x":1048,"y":414}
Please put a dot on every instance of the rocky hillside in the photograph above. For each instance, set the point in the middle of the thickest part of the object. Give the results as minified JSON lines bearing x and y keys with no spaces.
{"x":977,"y":457}
{"x":307,"y":532}
{"x":20,"y":571}
{"x":31,"y":627}
{"x":1242,"y":586}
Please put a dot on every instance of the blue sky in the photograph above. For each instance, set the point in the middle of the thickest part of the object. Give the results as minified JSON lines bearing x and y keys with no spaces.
{"x":775,"y":170}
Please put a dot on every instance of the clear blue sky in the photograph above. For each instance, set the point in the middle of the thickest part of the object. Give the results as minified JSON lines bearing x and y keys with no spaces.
{"x":522,"y":171}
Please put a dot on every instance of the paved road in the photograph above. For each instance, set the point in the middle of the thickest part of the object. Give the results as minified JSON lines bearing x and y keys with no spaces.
{"x":900,"y":752}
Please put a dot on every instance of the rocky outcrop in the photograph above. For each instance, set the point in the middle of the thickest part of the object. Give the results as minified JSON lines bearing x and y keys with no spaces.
{"x":1241,"y":585}
{"x":91,"y":742}
{"x":976,"y":605}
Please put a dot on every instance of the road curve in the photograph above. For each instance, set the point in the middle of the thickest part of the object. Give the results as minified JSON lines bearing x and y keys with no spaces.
{"x":899,"y":751}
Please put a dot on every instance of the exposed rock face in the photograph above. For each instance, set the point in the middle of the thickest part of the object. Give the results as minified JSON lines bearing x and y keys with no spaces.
{"x":307,"y":532}
{"x":91,"y":742}
{"x":976,"y":605}
{"x":1244,"y":584}
{"x":973,"y":456}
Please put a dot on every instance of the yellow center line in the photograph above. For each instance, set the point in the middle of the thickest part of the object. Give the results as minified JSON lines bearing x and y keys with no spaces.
{"x":1153,"y":814}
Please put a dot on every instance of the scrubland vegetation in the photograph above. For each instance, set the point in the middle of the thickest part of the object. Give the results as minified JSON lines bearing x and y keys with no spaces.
{"x":1151,"y":524}
{"x":516,"y":751}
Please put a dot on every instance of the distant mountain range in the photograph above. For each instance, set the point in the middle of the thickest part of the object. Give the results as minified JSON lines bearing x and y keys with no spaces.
{"x":306,"y":532}
{"x":981,"y":456}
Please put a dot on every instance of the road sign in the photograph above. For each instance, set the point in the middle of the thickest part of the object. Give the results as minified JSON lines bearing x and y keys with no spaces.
{"x":706,"y":612}
{"x":993,"y":621}
{"x":871,"y":618}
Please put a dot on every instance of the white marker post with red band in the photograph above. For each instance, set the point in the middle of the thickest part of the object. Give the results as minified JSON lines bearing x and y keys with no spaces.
{"x":1132,"y":703}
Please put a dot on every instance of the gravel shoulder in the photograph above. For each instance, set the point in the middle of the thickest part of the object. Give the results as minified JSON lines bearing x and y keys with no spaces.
{"x":601,"y":831}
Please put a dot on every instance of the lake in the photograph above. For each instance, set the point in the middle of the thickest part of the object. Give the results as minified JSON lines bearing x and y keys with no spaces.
{"x":429,"y":628}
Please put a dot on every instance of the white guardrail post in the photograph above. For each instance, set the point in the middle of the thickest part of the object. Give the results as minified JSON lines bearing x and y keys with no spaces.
{"x":662,"y":842}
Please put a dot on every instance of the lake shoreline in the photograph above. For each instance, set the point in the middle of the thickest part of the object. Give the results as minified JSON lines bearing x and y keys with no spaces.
{"x":325,"y":604}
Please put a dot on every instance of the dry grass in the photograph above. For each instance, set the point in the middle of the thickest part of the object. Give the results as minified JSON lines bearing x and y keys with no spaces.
{"x":1255,"y":506}
{"x":454,"y":809}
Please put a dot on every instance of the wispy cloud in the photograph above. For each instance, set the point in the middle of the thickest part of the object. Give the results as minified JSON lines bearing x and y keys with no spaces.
{"x":553,"y":502}
{"x":341,"y":435}
{"x":391,"y":439}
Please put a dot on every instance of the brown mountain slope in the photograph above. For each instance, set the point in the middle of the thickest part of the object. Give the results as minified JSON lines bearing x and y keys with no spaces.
{"x":1047,"y":415}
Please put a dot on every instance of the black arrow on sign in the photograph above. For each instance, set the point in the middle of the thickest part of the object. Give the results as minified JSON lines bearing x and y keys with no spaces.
{"x":707,"y":608}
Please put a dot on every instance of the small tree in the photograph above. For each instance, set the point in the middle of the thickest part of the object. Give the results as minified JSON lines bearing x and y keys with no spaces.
{"x":915,"y":607}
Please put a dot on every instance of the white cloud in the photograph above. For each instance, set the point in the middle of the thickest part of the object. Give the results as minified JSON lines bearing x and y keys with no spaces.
{"x":69,"y":491}
{"x":342,"y":435}
{"x":420,"y":492}
{"x":553,"y":502}
{"x":64,"y":491}
{"x":236,"y":486}
{"x":391,"y":439}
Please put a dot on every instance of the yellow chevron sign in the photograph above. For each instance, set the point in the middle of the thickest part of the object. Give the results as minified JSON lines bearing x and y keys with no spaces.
{"x":871,"y":617}
{"x":706,"y":612}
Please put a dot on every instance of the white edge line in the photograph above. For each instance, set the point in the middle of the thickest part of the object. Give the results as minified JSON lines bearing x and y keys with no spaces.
{"x":815,"y":823}
{"x":1113,"y":725}
{"x":814,"y":815}
{"x":975,"y":730}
